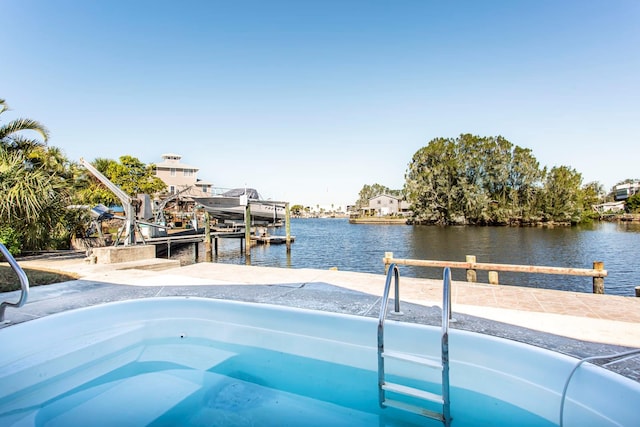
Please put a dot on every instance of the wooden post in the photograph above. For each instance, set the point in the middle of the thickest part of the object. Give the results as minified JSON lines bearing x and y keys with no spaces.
{"x":472,"y":274}
{"x":388,"y":256}
{"x":598,"y":282}
{"x":247,"y":230}
{"x":215,"y":245}
{"x":287,"y":225}
{"x":208,"y":256}
{"x":493,"y":277}
{"x":637,"y":291}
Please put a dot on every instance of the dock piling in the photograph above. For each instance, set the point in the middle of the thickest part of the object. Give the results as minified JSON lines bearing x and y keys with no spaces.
{"x":472,"y":275}
{"x":598,"y":282}
{"x":247,"y":230}
{"x":287,"y":220}
{"x":493,"y":278}
{"x":208,"y":256}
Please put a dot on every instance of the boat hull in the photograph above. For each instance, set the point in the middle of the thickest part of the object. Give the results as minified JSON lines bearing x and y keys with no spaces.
{"x":230,"y":208}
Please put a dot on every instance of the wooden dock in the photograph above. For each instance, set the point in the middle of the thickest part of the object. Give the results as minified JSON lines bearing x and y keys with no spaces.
{"x":272,"y":240}
{"x":172,"y":241}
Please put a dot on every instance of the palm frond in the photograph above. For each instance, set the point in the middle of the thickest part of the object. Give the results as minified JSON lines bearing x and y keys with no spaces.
{"x":19,"y":125}
{"x":22,"y":143}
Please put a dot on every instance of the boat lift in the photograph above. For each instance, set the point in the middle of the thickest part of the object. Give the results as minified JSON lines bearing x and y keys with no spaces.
{"x":125,"y":199}
{"x":159,"y":217}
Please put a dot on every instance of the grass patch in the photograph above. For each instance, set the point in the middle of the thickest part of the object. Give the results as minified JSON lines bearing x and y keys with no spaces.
{"x":9,"y":280}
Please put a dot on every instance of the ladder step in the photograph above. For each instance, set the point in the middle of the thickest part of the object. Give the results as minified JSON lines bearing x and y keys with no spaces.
{"x":414,"y":392}
{"x":414,"y":409}
{"x":411,"y":358}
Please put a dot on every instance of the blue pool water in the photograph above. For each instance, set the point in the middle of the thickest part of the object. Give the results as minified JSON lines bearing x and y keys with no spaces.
{"x":250,"y":386}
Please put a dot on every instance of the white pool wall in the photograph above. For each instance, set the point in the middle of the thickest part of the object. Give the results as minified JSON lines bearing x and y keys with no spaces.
{"x":109,"y":335}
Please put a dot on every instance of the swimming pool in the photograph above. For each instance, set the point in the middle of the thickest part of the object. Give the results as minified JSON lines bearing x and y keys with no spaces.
{"x":205,"y":362}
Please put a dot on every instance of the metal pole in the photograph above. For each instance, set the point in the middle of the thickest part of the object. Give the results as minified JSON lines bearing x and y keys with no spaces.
{"x":247,"y":230}
{"x":207,"y":238}
{"x":287,"y":219}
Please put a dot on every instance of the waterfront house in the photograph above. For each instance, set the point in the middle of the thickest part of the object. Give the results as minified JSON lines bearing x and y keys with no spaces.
{"x":609,"y":207}
{"x":624,"y":191}
{"x":179,"y":176}
{"x":385,"y":204}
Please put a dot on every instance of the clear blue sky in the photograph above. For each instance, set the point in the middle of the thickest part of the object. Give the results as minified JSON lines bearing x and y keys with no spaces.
{"x":307,"y":101}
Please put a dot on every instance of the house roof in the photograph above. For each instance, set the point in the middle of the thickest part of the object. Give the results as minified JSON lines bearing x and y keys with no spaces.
{"x":169,"y":164}
{"x":202,"y":182}
{"x":386,"y":195}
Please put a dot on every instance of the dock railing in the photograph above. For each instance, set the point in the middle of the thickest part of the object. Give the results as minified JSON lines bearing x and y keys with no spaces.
{"x":597,"y":273}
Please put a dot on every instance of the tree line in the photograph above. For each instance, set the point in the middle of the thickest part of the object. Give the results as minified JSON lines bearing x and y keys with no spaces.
{"x":490,"y":181}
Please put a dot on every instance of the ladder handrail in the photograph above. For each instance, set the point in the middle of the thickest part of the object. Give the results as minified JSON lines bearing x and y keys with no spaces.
{"x":393,"y":270}
{"x":24,"y":282}
{"x":615,"y":358}
{"x":446,"y":316}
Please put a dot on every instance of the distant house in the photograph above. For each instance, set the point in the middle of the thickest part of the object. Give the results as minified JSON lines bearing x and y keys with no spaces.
{"x":609,"y":207}
{"x":385,"y":204}
{"x":178,"y":176}
{"x":624,"y":191}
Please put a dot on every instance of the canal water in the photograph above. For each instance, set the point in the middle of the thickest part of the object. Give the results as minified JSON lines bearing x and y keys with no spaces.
{"x":325,"y":243}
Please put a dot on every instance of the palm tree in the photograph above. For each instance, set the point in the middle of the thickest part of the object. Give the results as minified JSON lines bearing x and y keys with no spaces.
{"x":12,"y":134}
{"x":34,"y":185}
{"x":33,"y":201}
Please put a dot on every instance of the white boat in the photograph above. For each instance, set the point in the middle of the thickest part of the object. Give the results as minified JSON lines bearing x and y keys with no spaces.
{"x":231,"y":206}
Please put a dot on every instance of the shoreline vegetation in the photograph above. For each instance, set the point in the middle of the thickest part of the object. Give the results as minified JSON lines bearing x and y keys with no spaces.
{"x":488,"y":181}
{"x":411,"y":221}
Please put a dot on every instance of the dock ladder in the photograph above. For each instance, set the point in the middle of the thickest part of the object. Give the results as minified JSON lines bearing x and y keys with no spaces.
{"x":384,"y":386}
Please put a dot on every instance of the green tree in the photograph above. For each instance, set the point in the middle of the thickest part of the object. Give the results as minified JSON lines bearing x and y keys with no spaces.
{"x":474,"y":180}
{"x":89,"y":190}
{"x":33,"y":200}
{"x":433,"y":183}
{"x":14,"y":135}
{"x":590,"y":194}
{"x":129,"y":174}
{"x":34,"y":186}
{"x":632,"y":204}
{"x":134,"y":177}
{"x":524,"y":183}
{"x":562,"y":195}
{"x":471,"y":152}
{"x":297,"y":209}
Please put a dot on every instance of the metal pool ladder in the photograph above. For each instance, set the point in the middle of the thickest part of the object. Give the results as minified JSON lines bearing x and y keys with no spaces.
{"x":24,"y":283}
{"x":384,"y":386}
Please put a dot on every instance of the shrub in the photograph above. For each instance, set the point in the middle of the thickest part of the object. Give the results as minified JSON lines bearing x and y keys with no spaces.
{"x":11,"y":239}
